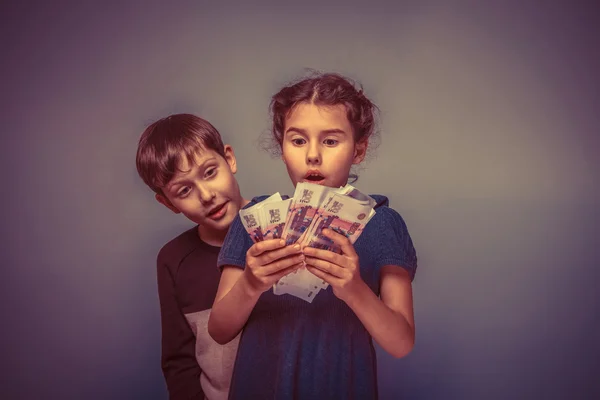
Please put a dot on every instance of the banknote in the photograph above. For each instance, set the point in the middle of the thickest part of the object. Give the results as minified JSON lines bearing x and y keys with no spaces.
{"x":331,"y":201}
{"x":251,"y":220}
{"x":303,"y":293}
{"x":347,"y":190}
{"x":306,"y":201}
{"x":254,"y":220}
{"x":274,"y":215}
{"x":301,"y":219}
{"x":344,"y":215}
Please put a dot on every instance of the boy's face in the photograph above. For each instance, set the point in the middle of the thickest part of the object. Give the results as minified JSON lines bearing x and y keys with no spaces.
{"x":206,"y":192}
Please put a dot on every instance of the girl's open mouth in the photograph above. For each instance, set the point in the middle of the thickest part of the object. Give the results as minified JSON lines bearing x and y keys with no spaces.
{"x":313,"y":177}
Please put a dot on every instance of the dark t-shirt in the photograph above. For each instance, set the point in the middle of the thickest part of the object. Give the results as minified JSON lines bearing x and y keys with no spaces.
{"x":194,"y":365}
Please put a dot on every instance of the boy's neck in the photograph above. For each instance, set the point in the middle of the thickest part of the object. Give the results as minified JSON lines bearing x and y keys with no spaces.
{"x":213,"y":238}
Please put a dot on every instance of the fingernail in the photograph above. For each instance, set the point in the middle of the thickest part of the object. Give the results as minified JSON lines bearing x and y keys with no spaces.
{"x":297,"y":247}
{"x":282,"y":242}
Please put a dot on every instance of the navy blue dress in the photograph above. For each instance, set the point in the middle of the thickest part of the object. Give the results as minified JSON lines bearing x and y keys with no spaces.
{"x":292,"y":349}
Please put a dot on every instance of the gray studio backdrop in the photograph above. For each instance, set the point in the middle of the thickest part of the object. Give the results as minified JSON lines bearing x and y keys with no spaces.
{"x":489,"y":146}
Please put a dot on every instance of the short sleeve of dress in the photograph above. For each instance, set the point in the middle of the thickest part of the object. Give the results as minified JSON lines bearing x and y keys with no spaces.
{"x":236,"y":244}
{"x":395,"y":246}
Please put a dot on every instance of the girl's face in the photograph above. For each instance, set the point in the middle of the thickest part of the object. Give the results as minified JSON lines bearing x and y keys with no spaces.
{"x":318,"y":145}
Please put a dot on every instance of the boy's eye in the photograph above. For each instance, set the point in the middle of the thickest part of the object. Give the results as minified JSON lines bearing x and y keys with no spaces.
{"x":210,"y":172}
{"x":330,"y":142}
{"x":298,"y":141}
{"x":184,"y":191}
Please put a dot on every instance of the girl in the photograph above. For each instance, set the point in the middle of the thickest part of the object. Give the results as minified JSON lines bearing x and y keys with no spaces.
{"x":320,"y":350}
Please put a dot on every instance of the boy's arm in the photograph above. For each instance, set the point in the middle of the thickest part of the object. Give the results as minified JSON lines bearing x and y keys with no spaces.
{"x":178,"y":344}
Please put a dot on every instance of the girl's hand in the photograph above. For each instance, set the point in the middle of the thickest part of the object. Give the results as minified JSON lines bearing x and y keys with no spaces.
{"x":268,"y":261}
{"x":341,"y":271}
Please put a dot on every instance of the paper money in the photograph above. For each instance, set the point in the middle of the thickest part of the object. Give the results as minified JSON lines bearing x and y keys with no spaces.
{"x":251,"y":221}
{"x":305,"y":204}
{"x":294,"y":290}
{"x":254,"y":220}
{"x":274,"y":215}
{"x":301,"y":219}
{"x":344,"y":215}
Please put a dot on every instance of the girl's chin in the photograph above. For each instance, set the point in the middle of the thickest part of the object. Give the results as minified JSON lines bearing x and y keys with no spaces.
{"x":321,"y":182}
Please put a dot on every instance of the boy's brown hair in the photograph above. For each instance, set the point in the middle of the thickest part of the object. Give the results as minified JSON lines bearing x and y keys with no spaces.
{"x":163,"y":142}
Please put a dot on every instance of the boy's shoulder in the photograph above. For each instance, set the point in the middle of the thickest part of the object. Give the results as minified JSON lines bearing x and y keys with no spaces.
{"x":180,"y":246}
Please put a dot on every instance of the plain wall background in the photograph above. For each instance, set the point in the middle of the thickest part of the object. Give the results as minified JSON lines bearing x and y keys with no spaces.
{"x":489,"y":149}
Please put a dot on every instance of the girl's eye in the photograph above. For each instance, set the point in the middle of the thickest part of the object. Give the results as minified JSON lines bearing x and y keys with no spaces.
{"x":184,"y":192}
{"x":298,"y":141}
{"x":330,"y":142}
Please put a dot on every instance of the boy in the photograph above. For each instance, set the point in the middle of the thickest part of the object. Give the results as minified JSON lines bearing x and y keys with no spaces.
{"x":183,"y":160}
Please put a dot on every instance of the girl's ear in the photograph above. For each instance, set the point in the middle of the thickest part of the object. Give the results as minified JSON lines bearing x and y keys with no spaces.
{"x":230,"y":158}
{"x":360,"y":150}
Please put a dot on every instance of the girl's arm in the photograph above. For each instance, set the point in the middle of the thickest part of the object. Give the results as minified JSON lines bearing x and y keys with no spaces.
{"x":239,"y":289}
{"x":389,"y":320}
{"x":232,"y":307}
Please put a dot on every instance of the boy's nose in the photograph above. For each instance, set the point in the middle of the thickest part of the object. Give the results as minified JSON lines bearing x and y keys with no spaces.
{"x":205,"y":194}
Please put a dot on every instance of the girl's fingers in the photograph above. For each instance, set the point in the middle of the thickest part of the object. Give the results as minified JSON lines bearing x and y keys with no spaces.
{"x":282,"y":264}
{"x":267,"y":245}
{"x":325,"y":255}
{"x":342,"y":241}
{"x":333,"y":281}
{"x":325,"y":266}
{"x":277,"y":276}
{"x":271,"y":256}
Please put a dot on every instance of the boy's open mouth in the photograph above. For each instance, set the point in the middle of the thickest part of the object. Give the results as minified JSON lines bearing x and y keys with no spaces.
{"x":217,"y":211}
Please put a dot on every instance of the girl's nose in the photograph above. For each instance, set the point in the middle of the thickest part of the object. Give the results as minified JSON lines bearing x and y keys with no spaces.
{"x":312,"y":155}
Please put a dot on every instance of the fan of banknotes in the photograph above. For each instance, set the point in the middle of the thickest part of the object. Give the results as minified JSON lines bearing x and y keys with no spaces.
{"x":301,"y":219}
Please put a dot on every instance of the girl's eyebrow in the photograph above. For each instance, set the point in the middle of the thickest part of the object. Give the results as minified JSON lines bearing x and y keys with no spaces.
{"x":303,"y":131}
{"x":329,"y":131}
{"x":297,"y":130}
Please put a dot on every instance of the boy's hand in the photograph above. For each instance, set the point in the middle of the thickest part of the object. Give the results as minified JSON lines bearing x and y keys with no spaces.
{"x":341,"y":271}
{"x":268,"y":261}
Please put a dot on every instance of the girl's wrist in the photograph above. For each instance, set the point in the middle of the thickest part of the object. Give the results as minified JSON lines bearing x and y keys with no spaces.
{"x":248,"y":289}
{"x":357,"y":295}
